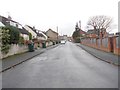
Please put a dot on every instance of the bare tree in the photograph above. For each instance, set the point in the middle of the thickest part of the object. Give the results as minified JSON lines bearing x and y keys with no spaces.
{"x":100,"y":23}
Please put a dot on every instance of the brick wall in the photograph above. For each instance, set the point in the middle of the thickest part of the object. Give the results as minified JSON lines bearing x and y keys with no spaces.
{"x":116,"y":41}
{"x":108,"y":44}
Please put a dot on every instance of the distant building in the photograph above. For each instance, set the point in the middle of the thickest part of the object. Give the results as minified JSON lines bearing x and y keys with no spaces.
{"x":64,"y":37}
{"x":52,"y":35}
{"x":92,"y":33}
{"x":69,"y":38}
{"x":97,"y":33}
{"x":81,"y":32}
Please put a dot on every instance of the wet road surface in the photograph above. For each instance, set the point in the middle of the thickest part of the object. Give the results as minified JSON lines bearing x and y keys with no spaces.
{"x":66,"y":66}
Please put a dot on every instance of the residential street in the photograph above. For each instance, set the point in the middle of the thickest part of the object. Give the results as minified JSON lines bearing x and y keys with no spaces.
{"x":66,"y":66}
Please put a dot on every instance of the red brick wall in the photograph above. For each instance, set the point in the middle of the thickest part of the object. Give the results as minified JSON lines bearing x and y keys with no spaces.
{"x":116,"y":50}
{"x":101,"y":46}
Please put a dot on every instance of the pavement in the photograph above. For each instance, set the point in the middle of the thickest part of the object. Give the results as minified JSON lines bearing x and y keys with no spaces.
{"x":105,"y":56}
{"x":17,"y":59}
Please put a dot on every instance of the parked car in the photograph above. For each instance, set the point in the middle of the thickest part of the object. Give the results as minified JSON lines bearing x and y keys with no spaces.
{"x":63,"y":41}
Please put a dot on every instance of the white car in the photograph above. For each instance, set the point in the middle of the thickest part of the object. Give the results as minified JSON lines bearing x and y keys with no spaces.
{"x":63,"y":41}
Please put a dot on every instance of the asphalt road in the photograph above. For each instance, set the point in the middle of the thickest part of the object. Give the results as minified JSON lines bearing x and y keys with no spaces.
{"x":66,"y":66}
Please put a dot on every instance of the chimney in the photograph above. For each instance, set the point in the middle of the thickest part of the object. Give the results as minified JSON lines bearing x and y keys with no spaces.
{"x":34,"y":28}
{"x":9,"y":17}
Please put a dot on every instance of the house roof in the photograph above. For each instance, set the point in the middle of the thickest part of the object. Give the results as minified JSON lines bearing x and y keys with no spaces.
{"x":32,"y":29}
{"x":52,"y":31}
{"x":82,"y":32}
{"x":5,"y":20}
{"x":92,"y":31}
{"x":39,"y":34}
{"x":23,"y":31}
{"x":29,"y":27}
{"x":35,"y":30}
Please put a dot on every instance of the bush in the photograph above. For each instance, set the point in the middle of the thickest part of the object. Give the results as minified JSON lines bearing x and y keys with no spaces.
{"x":21,"y":40}
{"x":5,"y":37}
{"x":77,"y":40}
{"x":76,"y":36}
{"x":14,"y":34}
{"x":30,"y":36}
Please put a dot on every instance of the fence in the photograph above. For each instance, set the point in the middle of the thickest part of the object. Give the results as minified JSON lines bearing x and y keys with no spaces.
{"x":108,"y":44}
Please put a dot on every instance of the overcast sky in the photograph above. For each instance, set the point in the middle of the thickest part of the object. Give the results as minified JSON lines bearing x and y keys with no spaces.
{"x":45,"y":14}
